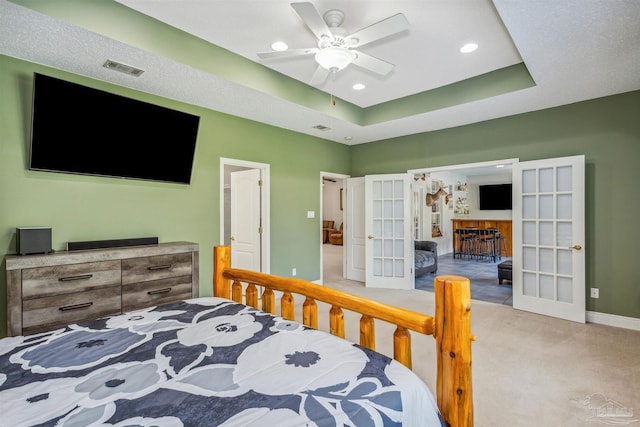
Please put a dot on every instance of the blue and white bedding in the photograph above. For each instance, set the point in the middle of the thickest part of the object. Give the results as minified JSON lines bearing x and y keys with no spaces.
{"x":205,"y":361}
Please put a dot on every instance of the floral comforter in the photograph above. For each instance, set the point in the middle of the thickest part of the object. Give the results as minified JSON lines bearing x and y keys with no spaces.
{"x":205,"y":361}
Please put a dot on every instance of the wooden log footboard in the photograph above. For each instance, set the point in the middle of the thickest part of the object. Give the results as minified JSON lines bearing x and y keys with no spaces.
{"x":451,"y":325}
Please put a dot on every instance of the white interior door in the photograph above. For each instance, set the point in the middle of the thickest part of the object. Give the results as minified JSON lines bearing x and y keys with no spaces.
{"x":246,"y":219}
{"x":389,"y":244}
{"x":354,"y":233}
{"x":548,"y":237}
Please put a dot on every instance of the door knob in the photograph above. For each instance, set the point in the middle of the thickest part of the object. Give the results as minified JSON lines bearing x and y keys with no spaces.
{"x":233,"y":238}
{"x":576,"y":247}
{"x":369,"y":237}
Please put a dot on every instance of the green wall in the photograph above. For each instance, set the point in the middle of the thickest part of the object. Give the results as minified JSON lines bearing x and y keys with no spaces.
{"x":92,"y":208}
{"x":605,"y":130}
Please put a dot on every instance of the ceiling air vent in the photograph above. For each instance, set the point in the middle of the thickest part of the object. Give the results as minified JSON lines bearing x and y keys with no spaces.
{"x":321,"y":127}
{"x":123,"y":68}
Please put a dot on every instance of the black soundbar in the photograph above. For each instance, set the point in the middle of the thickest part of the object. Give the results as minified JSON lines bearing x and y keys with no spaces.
{"x":101,"y":244}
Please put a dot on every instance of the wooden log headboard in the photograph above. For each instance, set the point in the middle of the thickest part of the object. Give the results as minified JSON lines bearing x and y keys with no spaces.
{"x":450,"y":326}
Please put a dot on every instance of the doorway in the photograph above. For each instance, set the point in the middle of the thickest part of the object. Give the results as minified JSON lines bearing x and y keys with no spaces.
{"x":332,"y":209}
{"x":548,"y":263}
{"x":462,"y":183}
{"x":244,"y":206}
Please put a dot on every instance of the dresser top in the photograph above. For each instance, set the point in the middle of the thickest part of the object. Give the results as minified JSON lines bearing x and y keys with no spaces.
{"x":18,"y":262}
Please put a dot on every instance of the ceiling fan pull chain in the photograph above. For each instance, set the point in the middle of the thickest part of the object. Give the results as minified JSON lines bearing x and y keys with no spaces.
{"x":333,"y":84}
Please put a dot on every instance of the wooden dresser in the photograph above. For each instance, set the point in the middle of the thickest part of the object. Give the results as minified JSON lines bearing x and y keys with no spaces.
{"x":45,"y":292}
{"x":504,"y":225}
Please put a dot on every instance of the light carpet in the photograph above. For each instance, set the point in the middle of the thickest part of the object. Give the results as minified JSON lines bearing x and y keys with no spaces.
{"x":528,"y":369}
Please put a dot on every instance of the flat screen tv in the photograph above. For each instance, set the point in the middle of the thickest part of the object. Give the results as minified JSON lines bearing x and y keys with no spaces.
{"x":80,"y":130}
{"x":495,"y":197}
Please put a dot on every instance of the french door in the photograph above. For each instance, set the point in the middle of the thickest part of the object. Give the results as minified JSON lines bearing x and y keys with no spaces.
{"x":389,"y":244}
{"x":548,"y":237}
{"x":354,"y":232}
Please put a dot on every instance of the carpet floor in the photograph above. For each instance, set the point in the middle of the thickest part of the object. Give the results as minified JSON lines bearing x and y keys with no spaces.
{"x":528,"y":369}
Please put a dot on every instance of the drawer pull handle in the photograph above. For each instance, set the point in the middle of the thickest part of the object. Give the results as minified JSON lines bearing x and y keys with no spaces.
{"x":76,"y":306}
{"x":159,"y":291}
{"x":71,"y":278}
{"x":160,"y":267}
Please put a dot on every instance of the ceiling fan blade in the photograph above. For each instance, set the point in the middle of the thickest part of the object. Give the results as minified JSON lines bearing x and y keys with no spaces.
{"x":319,"y":76}
{"x":288,"y":53}
{"x":311,"y":17}
{"x":385,"y":28}
{"x":373,"y":64}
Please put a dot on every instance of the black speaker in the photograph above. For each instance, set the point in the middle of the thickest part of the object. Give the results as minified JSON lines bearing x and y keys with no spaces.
{"x":33,"y":240}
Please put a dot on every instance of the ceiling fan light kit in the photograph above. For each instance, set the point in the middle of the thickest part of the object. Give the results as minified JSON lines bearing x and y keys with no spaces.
{"x":335,"y":49}
{"x":334,"y":58}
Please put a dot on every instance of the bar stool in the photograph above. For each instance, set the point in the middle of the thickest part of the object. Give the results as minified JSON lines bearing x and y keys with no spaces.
{"x":466,"y":242}
{"x":486,"y":244}
{"x":500,"y":244}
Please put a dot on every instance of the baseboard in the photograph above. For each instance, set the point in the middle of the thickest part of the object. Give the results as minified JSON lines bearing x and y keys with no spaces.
{"x":613,"y":320}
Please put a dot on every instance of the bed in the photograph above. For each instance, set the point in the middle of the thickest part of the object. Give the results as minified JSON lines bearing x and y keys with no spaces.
{"x":216,"y":361}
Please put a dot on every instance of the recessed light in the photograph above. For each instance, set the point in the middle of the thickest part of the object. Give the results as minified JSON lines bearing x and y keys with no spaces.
{"x":358,"y":86}
{"x":468,"y":48}
{"x":279,"y":46}
{"x":348,"y":138}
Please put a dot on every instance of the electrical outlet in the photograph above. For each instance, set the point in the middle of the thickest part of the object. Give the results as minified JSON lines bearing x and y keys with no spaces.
{"x":293,"y":272}
{"x":595,"y":293}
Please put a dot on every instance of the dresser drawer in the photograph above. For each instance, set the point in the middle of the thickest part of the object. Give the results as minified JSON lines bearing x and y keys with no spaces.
{"x":41,"y":281}
{"x":145,"y":294}
{"x":157,"y":267}
{"x":46,"y":313}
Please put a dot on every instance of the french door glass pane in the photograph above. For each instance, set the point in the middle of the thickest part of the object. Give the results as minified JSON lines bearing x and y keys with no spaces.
{"x":529,"y":287}
{"x":564,"y":206}
{"x":546,"y":180}
{"x":377,"y":227}
{"x":564,"y":262}
{"x":564,"y":235}
{"x":529,"y":233}
{"x":565,"y":289}
{"x":547,"y":288}
{"x":564,"y":178}
{"x":546,"y":260}
{"x":388,"y":267}
{"x":377,"y":190}
{"x":546,"y":233}
{"x":399,"y":250}
{"x":529,"y":259}
{"x":546,"y":207}
{"x":388,"y":248}
{"x":377,"y":209}
{"x":529,"y":181}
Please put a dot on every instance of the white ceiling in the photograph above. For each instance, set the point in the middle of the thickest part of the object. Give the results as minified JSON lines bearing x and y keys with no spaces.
{"x":575,"y":50}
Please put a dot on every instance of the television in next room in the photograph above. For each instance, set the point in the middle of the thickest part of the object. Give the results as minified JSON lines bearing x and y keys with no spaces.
{"x":80,"y":130}
{"x":495,"y":197}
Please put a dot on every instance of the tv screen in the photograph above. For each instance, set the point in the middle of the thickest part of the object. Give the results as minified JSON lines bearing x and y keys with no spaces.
{"x":80,"y":130}
{"x":495,"y":197}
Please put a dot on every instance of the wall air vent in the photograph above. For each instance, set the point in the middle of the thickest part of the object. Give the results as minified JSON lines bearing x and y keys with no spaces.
{"x":321,"y":127}
{"x":123,"y":68}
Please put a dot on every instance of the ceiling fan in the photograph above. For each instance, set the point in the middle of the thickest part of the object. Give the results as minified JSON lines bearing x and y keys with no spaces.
{"x":336,"y":49}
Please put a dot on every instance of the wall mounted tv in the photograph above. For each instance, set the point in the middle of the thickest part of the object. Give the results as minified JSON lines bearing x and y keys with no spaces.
{"x":495,"y":197}
{"x":80,"y":130}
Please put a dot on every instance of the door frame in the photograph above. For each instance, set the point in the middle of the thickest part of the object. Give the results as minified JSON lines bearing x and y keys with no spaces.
{"x":341,"y":177}
{"x":265,"y":255}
